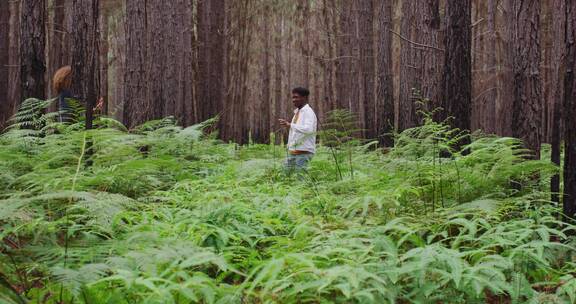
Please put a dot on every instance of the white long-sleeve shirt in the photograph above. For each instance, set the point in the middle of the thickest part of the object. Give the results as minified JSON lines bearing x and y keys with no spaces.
{"x":302,"y":136}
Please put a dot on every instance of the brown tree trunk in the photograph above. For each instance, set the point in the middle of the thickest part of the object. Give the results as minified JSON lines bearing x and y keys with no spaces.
{"x":85,"y":54}
{"x":557,"y":87}
{"x":278,"y":85}
{"x":58,"y":41}
{"x":32,"y":48}
{"x":421,"y":59}
{"x":344,"y":64}
{"x":185,"y":109}
{"x":385,"y":94}
{"x":569,"y":206}
{"x":14,"y":87}
{"x":136,"y":102}
{"x":5,"y":106}
{"x":506,"y":72}
{"x":457,"y":78}
{"x":262,"y":132}
{"x":526,"y":115}
{"x":330,"y":63}
{"x":367,"y":67}
{"x":491,"y":93}
{"x":211,"y":52}
{"x":103,"y":58}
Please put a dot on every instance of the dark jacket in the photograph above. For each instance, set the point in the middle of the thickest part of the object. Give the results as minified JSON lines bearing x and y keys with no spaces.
{"x":63,"y":107}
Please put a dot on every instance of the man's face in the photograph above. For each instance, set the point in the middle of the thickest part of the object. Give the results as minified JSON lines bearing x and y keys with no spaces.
{"x":298,"y":100}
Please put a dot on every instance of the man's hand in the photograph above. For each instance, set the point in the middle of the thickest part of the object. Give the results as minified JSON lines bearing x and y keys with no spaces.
{"x":284,"y":123}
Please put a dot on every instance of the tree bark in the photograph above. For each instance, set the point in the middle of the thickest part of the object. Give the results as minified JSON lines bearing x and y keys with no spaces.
{"x":278,"y":71}
{"x":14,"y":87}
{"x":103,"y":58}
{"x":491,"y":94}
{"x":367,"y":67}
{"x":557,"y":87}
{"x":211,"y":51}
{"x":385,"y":109}
{"x":526,"y":115}
{"x":32,"y":48}
{"x":421,"y":59}
{"x":346,"y":58}
{"x":569,"y":206}
{"x":262,"y":132}
{"x":85,"y":54}
{"x":5,"y":106}
{"x":58,"y":41}
{"x":457,"y":78}
{"x":136,"y":102}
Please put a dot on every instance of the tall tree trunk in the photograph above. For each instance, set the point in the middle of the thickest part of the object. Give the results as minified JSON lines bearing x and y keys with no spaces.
{"x":526,"y":115}
{"x":457,"y":78}
{"x":491,"y":93}
{"x":136,"y":102}
{"x":185,"y":109}
{"x":32,"y":48}
{"x":14,"y":87}
{"x":506,"y":72}
{"x":85,"y":55}
{"x":421,"y":59}
{"x":103,"y":58}
{"x":570,"y":112}
{"x":278,"y":85}
{"x":367,"y":67}
{"x":5,"y":106}
{"x":330,"y":63}
{"x":211,"y":52}
{"x":557,"y":87}
{"x":263,"y":128}
{"x":385,"y":94}
{"x":58,"y":41}
{"x":344,"y":64}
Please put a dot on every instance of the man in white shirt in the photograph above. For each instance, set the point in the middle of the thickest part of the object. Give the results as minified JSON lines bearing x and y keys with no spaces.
{"x":302,"y":136}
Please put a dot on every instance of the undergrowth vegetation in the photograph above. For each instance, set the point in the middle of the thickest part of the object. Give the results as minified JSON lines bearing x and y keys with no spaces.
{"x":166,"y":214}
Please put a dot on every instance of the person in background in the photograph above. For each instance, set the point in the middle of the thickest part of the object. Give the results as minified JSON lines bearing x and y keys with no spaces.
{"x":62,"y":83}
{"x":302,"y":135}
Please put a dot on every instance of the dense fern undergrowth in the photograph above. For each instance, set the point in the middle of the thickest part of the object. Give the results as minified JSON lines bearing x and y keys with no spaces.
{"x":164,"y":214}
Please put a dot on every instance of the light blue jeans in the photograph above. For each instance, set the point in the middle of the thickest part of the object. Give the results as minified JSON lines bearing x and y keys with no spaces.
{"x":297,"y":162}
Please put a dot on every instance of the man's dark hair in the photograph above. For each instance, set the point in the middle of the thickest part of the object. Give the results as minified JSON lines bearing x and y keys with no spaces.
{"x":301,"y":91}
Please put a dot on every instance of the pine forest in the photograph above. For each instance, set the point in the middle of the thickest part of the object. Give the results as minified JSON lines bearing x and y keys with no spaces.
{"x":287,"y":151}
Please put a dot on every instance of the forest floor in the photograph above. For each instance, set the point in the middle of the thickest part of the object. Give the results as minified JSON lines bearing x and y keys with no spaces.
{"x":172,"y":215}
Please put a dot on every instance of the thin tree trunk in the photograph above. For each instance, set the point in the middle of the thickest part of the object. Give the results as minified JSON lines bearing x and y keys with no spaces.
{"x":329,"y":68}
{"x":32,"y":47}
{"x":385,"y":95}
{"x":569,"y":206}
{"x":103,"y":60}
{"x":263,"y":112}
{"x":367,"y":67}
{"x":557,"y":87}
{"x":14,"y":87}
{"x":506,"y":73}
{"x":156,"y":60}
{"x":278,"y":86}
{"x":5,"y":106}
{"x":457,"y":79}
{"x":526,"y":115}
{"x":59,"y":42}
{"x":344,"y":65}
{"x":491,"y":95}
